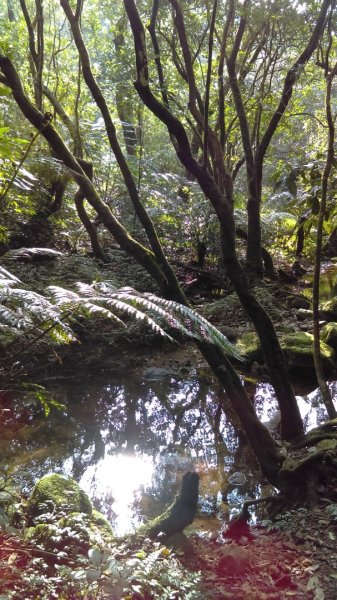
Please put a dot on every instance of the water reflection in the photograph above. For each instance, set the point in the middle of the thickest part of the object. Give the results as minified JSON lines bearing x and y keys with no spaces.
{"x":129,"y":443}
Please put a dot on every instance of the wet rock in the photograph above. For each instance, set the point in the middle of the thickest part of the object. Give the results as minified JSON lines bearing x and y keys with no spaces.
{"x":237,"y":478}
{"x":299,"y":302}
{"x":157,"y":374}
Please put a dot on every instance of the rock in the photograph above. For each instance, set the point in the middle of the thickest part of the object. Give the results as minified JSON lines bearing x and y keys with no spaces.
{"x":302,"y":314}
{"x":100,"y":521}
{"x":298,"y":352}
{"x":329,"y":335}
{"x":63,"y":517}
{"x":237,"y":479}
{"x":156,"y":374}
{"x":328,"y":310}
{"x":298,"y":349}
{"x":230,"y":333}
{"x":33,"y":254}
{"x":299,"y":302}
{"x":55,"y":493}
{"x":249,"y":347}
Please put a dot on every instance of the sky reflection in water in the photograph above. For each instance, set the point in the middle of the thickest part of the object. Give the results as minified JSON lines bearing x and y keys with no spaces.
{"x":129,"y":443}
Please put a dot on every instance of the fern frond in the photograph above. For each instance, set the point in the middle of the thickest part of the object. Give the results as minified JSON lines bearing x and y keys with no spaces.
{"x":7,"y":279}
{"x":198,"y":325}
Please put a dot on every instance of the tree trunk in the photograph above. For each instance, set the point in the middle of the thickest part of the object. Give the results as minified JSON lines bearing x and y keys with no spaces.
{"x":180,"y":514}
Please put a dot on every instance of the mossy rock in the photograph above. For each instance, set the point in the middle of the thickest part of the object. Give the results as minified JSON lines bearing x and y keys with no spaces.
{"x":62,"y":493}
{"x":328,"y":310}
{"x":250,"y":349}
{"x":298,"y":350}
{"x":329,"y":335}
{"x":75,"y":532}
{"x":100,"y":521}
{"x":44,"y":534}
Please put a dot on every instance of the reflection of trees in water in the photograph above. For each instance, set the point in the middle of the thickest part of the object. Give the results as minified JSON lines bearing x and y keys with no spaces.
{"x":180,"y":423}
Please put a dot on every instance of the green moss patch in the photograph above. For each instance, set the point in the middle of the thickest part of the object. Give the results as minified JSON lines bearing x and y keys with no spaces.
{"x":57,"y":493}
{"x":298,"y":350}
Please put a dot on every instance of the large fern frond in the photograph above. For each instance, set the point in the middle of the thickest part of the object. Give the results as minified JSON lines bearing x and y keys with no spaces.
{"x":31,"y":313}
{"x":146,"y":307}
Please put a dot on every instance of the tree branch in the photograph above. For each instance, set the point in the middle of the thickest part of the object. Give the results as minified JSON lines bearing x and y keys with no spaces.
{"x":291,"y":78}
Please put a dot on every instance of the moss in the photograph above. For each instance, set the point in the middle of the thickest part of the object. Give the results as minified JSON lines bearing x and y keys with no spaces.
{"x":64,"y":494}
{"x":42,"y":534}
{"x":99,"y":520}
{"x":298,"y":349}
{"x":250,"y":348}
{"x":329,"y":308}
{"x":329,"y":335}
{"x":327,"y":444}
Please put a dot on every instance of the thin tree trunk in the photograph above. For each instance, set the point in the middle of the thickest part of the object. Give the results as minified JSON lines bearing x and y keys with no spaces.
{"x":267,"y":451}
{"x":291,"y":419}
{"x":324,"y":389}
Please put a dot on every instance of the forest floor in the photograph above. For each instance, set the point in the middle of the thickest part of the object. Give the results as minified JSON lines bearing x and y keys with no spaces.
{"x":297,"y":558}
{"x":298,"y":561}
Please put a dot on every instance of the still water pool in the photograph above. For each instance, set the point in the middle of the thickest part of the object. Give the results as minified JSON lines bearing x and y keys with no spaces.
{"x":128,"y":443}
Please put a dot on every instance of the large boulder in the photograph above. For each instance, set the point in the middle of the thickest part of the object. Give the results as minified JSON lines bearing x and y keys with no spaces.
{"x":328,"y":310}
{"x":56,"y":493}
{"x":61,"y":517}
{"x":298,"y":349}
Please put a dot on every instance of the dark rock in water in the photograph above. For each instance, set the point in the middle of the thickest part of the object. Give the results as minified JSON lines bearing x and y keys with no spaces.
{"x":299,"y":302}
{"x":33,"y":254}
{"x":157,"y":374}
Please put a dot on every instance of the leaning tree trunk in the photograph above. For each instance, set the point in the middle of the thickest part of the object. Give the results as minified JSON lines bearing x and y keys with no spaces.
{"x":267,"y":451}
{"x":291,"y":419}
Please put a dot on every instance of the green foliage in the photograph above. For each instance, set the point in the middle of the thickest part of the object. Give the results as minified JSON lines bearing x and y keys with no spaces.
{"x":43,"y":396}
{"x":27,"y":316}
{"x":152,"y":571}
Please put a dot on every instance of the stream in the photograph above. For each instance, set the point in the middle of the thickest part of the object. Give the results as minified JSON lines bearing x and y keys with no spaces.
{"x":128,"y":440}
{"x":128,"y":443}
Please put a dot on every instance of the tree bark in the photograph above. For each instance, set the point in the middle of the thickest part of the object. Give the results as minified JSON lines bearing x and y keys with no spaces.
{"x":291,"y":419}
